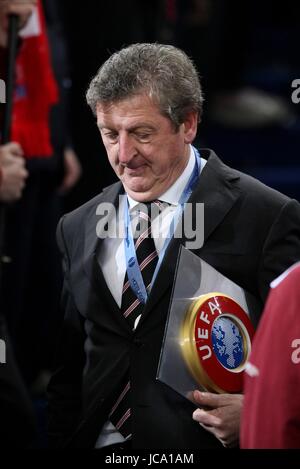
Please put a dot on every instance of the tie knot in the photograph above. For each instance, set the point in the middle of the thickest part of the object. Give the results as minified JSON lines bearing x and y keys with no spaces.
{"x":151,"y":209}
{"x":143,"y":215}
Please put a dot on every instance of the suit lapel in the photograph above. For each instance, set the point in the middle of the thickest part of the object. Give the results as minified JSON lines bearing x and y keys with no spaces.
{"x":95,"y":225}
{"x":218,"y":190}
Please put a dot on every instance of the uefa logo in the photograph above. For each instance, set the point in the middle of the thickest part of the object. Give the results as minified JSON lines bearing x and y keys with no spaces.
{"x":216,"y":338}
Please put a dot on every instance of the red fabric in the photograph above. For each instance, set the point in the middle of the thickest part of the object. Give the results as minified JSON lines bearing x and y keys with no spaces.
{"x":271,"y":414}
{"x":35,"y":93}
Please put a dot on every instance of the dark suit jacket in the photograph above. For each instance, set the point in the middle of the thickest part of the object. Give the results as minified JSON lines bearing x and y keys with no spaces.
{"x":252,"y":233}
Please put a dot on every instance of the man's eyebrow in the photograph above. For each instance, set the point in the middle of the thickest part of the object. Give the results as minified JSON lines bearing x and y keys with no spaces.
{"x":140,"y":126}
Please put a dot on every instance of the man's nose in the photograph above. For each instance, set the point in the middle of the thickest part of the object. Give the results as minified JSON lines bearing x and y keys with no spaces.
{"x":126,"y":149}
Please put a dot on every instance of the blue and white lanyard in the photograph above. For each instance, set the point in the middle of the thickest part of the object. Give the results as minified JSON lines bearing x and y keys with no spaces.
{"x":133,"y":269}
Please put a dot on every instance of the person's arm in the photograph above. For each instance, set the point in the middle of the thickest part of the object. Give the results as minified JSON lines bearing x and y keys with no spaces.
{"x":64,"y":390}
{"x":13,"y":172}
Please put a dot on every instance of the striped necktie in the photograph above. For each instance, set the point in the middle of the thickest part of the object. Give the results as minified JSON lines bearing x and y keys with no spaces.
{"x":132,"y":307}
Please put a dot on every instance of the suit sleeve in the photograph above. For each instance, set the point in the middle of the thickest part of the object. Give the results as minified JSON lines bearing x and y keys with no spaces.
{"x":64,"y":391}
{"x":282,"y":246}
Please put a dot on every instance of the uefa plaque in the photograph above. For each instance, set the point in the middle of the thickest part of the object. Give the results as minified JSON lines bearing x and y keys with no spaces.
{"x":209,"y":330}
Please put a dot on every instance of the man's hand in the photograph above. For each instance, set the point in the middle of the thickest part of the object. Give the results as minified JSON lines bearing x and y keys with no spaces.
{"x":13,"y":171}
{"x":22,"y":8}
{"x":221,"y":416}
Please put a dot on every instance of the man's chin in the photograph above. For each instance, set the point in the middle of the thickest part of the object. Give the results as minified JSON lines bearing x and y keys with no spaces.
{"x":136,"y":184}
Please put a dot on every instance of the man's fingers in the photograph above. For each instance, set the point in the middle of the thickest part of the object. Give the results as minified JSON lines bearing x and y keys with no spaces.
{"x":215,"y":425}
{"x":208,"y":399}
{"x":211,"y":400}
{"x":206,"y":418}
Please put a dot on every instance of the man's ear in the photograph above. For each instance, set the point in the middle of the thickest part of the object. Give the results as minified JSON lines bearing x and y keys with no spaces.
{"x":190,"y":126}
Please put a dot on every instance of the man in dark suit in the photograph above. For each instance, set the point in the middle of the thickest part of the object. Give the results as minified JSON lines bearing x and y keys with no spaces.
{"x":147,"y":99}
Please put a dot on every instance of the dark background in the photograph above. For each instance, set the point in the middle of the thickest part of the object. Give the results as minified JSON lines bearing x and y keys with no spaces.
{"x":236,"y":46}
